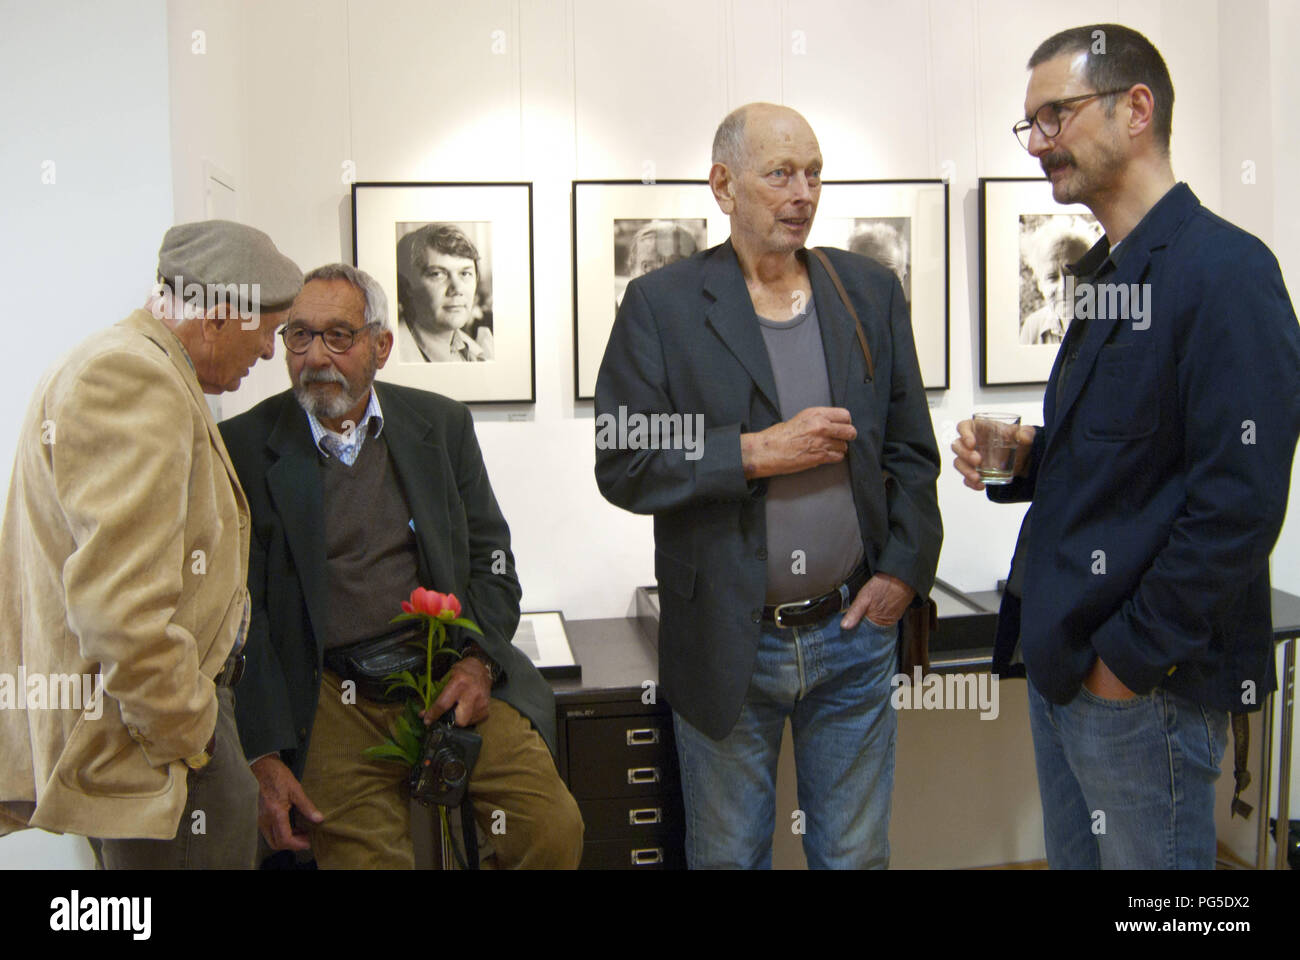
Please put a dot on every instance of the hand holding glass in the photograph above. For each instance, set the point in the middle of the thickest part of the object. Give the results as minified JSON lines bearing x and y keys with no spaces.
{"x":995,"y":442}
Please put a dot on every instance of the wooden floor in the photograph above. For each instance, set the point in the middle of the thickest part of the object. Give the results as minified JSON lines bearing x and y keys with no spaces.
{"x":1227,"y":860}
{"x":1026,"y":865}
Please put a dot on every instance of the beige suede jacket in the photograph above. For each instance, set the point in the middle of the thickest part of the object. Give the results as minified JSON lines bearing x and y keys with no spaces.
{"x":123,"y":553}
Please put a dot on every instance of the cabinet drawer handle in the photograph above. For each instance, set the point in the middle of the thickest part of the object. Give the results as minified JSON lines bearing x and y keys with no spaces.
{"x":647,"y":855}
{"x":643,"y":737}
{"x":645,"y":815}
{"x":642,"y":774}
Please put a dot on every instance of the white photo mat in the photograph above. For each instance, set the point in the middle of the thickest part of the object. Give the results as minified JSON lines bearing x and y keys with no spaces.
{"x":596,"y":206}
{"x":377,"y":209}
{"x":925,"y":204}
{"x":1004,"y":360}
{"x":543,"y":639}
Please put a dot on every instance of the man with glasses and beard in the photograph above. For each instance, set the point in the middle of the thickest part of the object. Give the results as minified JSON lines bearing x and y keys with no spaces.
{"x":1139,"y":591}
{"x":360,"y":492}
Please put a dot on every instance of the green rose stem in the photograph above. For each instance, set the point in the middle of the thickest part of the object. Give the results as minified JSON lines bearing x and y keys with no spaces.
{"x":428,"y":663}
{"x":440,"y":611}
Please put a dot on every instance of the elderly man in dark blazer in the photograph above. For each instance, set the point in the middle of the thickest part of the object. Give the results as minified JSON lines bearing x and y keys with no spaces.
{"x":789,"y":541}
{"x":1139,"y":593}
{"x":360,"y":491}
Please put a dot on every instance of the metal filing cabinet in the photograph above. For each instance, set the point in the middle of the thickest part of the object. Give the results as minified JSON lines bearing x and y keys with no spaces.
{"x":617,"y":753}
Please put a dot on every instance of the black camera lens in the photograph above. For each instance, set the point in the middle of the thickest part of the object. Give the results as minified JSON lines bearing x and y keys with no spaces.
{"x":453,"y":772}
{"x":447,"y":759}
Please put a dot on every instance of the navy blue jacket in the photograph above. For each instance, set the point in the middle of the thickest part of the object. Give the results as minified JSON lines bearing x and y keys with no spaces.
{"x":686,"y":341}
{"x":1168,"y":460}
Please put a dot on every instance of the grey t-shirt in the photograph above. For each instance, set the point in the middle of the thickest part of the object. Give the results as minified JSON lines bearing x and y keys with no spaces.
{"x":813,"y":541}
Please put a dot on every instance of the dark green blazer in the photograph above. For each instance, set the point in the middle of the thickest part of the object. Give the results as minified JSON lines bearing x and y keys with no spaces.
{"x":458,"y":526}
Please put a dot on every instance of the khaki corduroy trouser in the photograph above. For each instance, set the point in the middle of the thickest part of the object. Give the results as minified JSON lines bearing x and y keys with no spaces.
{"x":367,"y":825}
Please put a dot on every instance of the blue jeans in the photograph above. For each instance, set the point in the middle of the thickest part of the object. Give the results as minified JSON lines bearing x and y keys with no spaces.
{"x":1127,"y":784}
{"x":834,"y":687}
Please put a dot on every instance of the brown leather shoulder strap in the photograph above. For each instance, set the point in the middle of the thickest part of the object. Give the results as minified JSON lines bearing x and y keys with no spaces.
{"x":844,"y":297}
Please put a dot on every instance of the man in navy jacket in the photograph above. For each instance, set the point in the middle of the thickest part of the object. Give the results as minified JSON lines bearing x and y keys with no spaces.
{"x":1139,"y":593}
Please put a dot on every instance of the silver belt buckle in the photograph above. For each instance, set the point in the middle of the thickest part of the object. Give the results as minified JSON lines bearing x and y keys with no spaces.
{"x":845,"y":600}
{"x":776,"y":614}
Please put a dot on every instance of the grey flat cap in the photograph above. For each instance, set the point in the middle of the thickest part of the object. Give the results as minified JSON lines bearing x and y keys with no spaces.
{"x":222,"y":252}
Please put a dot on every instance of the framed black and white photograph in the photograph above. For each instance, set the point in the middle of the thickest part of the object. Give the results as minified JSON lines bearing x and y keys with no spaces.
{"x":544,"y":641}
{"x":456,"y":262}
{"x":643,"y":245}
{"x":1026,"y":240}
{"x":623,"y":229}
{"x":903,"y":225}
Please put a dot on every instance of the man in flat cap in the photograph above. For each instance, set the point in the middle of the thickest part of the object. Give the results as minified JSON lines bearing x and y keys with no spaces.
{"x":123,"y":571}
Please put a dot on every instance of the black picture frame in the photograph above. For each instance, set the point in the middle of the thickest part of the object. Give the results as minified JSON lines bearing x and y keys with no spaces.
{"x":554,"y":657}
{"x":917,"y":206}
{"x":601,"y":211}
{"x":1011,"y":211}
{"x":496,"y":215}
{"x":860,"y":214}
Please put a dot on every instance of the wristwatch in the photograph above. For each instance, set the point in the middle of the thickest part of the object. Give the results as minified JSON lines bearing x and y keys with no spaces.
{"x":479,"y":654}
{"x":204,"y":756}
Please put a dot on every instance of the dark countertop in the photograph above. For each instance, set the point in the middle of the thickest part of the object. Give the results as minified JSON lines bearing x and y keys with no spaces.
{"x":618,"y":654}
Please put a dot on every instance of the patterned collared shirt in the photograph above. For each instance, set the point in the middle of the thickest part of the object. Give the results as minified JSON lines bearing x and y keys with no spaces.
{"x":347,"y":446}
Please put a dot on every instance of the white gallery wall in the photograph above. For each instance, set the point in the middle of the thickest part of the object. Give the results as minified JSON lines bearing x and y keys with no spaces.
{"x":555,"y":90}
{"x":292,"y":100}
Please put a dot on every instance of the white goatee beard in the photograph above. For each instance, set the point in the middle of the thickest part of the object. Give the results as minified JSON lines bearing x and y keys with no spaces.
{"x":321,"y":407}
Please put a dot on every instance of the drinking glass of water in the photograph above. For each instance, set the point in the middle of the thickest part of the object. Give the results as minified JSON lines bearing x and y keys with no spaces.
{"x":995,"y":440}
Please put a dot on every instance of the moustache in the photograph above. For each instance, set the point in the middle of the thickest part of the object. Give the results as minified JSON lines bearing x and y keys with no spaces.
{"x":1057,"y":158}
{"x":323,"y":376}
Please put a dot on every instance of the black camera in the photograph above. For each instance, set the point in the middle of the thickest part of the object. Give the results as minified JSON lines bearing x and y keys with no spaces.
{"x":441,"y":777}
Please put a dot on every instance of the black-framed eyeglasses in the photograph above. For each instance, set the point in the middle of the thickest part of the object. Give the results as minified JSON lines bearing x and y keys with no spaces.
{"x":336,"y":339}
{"x":1048,"y":116}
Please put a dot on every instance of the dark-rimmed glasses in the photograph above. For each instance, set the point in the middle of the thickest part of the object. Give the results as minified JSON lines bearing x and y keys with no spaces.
{"x":1048,"y":116}
{"x":336,"y":339}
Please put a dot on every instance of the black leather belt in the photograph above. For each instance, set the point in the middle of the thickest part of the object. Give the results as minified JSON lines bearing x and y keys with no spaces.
{"x":803,"y":613}
{"x":230,"y":673}
{"x":233,"y":668}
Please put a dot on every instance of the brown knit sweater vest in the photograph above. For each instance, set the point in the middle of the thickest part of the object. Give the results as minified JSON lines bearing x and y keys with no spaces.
{"x":372,"y":560}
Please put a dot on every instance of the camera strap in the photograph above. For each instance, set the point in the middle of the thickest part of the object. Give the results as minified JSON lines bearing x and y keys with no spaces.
{"x":848,"y":304}
{"x":469,"y":833}
{"x":469,"y":836}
